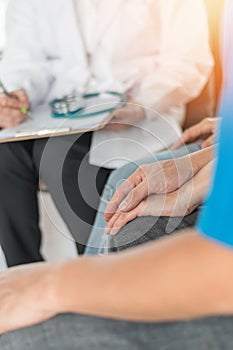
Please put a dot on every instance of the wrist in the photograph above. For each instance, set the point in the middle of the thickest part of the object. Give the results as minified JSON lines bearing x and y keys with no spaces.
{"x":67,"y":294}
{"x":188,"y":166}
{"x":52,"y":287}
{"x":202,"y":158}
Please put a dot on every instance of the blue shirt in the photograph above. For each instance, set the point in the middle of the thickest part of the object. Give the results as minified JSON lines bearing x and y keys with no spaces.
{"x":216,"y":218}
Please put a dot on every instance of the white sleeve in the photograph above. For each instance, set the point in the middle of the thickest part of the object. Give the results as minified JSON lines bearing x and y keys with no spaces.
{"x":184,"y":61}
{"x":24,"y":64}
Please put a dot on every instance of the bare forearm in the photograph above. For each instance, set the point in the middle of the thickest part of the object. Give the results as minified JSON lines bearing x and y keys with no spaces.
{"x":193,"y":193}
{"x":197,"y":160}
{"x":178,"y":278}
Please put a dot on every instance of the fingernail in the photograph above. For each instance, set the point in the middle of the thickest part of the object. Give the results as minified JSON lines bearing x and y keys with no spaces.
{"x":112,"y":233}
{"x":123,"y":205}
{"x":107,"y":231}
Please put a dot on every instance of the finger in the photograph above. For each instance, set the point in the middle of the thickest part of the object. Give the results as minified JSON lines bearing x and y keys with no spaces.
{"x":10,"y":117}
{"x":178,"y":144}
{"x":116,"y":127}
{"x":209,"y":142}
{"x":120,"y":115}
{"x":123,"y":190}
{"x":114,"y":115}
{"x":112,"y":222}
{"x":123,"y":220}
{"x":9,"y":102}
{"x":12,"y":113}
{"x":22,"y":97}
{"x":8,"y":124}
{"x":113,"y":123}
{"x":135,"y":197}
{"x":117,"y":198}
{"x":190,"y":135}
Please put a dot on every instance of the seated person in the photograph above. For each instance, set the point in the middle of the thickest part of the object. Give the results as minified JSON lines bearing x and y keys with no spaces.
{"x":176,"y":293}
{"x":172,"y":184}
{"x":139,"y":48}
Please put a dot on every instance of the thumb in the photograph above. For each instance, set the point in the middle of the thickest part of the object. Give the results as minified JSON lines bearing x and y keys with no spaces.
{"x":22,"y":97}
{"x":135,"y":197}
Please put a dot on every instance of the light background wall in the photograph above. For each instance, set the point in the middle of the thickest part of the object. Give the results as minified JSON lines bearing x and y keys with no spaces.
{"x":3,"y":5}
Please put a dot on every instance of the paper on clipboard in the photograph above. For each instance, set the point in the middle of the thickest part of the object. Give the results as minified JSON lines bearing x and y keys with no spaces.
{"x":43,"y":125}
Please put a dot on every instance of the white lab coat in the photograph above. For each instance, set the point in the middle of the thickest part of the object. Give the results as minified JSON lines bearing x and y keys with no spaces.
{"x":155,"y":50}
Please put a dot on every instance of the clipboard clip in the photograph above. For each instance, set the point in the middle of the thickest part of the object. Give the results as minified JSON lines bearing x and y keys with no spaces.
{"x":40,"y":133}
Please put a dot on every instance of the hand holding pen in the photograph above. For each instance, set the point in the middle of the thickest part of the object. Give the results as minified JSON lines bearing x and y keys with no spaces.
{"x":14,"y":107}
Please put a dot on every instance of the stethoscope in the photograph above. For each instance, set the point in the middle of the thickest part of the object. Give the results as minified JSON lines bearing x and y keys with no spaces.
{"x":76,"y":106}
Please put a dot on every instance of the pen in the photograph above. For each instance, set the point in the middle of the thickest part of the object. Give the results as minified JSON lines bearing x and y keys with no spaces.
{"x":8,"y":94}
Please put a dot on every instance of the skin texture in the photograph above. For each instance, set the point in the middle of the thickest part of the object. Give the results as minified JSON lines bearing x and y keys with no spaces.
{"x":181,"y":277}
{"x":156,"y":179}
{"x":125,"y":117}
{"x":204,"y":131}
{"x":11,"y":109}
{"x":178,"y":203}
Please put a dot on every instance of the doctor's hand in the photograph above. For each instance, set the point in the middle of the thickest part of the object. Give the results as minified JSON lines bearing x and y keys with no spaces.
{"x":126,"y":116}
{"x":179,"y":203}
{"x":204,"y":131}
{"x":11,"y":109}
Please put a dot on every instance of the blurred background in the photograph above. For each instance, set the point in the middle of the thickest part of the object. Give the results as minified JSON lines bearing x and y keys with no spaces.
{"x":3,"y":5}
{"x":57,"y":243}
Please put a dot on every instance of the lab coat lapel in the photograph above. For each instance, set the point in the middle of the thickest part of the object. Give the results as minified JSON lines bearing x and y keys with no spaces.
{"x":107,"y":12}
{"x":67,"y":29}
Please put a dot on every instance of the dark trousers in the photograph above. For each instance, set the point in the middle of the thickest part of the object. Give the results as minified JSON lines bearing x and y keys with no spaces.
{"x":75,"y":185}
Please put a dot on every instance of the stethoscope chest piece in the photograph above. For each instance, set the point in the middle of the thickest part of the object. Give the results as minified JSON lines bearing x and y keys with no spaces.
{"x":68,"y":105}
{"x":88,"y":105}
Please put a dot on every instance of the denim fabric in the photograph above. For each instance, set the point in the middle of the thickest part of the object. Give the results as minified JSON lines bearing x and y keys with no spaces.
{"x":98,"y":242}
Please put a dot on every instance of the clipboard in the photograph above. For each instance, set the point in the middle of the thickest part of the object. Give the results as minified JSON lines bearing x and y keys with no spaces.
{"x":43,"y":125}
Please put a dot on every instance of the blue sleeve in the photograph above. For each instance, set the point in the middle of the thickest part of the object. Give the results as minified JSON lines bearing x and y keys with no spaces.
{"x":216,"y":218}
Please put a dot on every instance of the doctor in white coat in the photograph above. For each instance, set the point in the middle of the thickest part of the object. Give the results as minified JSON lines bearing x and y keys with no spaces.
{"x":155,"y":51}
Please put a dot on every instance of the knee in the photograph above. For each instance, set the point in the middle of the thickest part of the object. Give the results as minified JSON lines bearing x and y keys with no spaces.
{"x":120,"y":175}
{"x":15,"y":161}
{"x":5,"y":160}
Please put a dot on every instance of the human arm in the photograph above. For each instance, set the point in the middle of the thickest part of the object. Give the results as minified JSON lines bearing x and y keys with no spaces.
{"x":126,"y":116}
{"x":184,"y":60}
{"x":24,"y":64}
{"x":156,"y":178}
{"x":204,"y":131}
{"x":178,"y":278}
